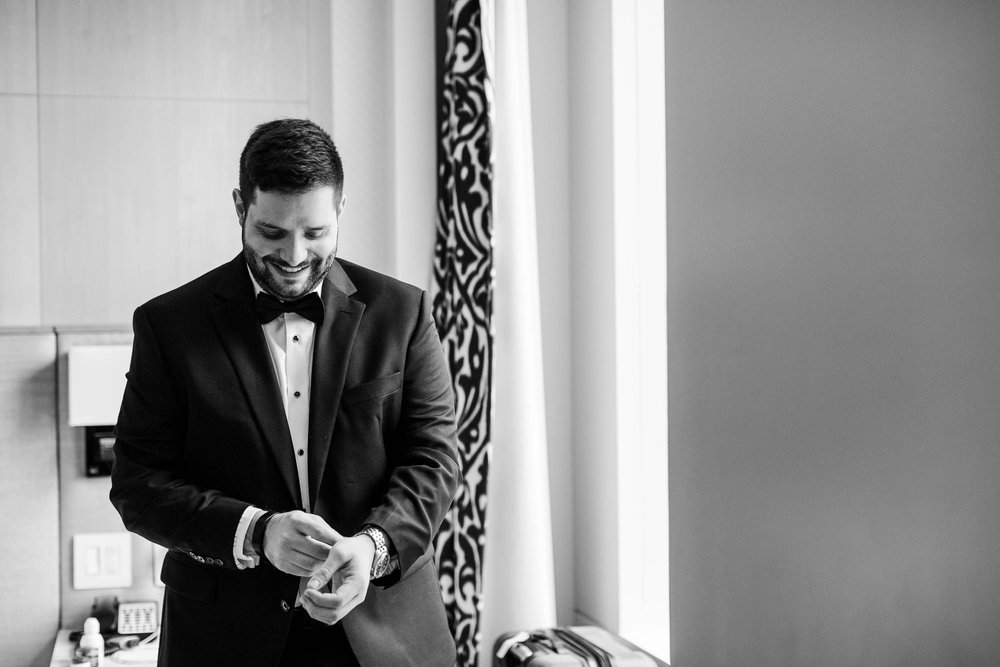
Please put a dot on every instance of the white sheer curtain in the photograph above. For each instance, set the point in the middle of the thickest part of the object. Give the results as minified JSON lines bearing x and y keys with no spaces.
{"x":519,"y":588}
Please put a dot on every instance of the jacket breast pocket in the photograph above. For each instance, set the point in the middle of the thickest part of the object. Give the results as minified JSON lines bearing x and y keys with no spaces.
{"x":368,"y":391}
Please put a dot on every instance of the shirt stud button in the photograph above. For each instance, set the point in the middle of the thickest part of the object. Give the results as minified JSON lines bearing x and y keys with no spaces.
{"x":284,"y":605}
{"x":301,"y":452}
{"x":297,"y":394}
{"x":295,"y":339}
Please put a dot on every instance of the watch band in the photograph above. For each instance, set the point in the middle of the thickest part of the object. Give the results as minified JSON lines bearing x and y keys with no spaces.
{"x":257,"y":538}
{"x":380,"y":563}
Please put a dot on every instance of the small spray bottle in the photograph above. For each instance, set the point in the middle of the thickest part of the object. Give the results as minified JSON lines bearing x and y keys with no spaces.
{"x":92,"y":643}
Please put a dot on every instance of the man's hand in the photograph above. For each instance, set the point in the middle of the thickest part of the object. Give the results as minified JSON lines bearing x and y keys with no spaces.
{"x":298,"y":543}
{"x":349,"y":567}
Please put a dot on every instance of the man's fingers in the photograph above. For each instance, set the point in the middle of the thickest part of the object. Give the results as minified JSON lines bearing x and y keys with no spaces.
{"x":315,"y":526}
{"x":324,"y":607}
{"x":297,"y":570}
{"x":328,"y":608}
{"x":347,"y":567}
{"x":312,"y":525}
{"x":296,"y":542}
{"x":313,"y":548}
{"x":295,"y":562}
{"x":305,"y":565}
{"x":327,"y":616}
{"x":348,"y":597}
{"x":324,"y":533}
{"x":323,"y":600}
{"x":307,"y":553}
{"x":324,"y":573}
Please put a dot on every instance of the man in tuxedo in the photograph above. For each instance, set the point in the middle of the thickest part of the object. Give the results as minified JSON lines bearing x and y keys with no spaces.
{"x":288,"y":433}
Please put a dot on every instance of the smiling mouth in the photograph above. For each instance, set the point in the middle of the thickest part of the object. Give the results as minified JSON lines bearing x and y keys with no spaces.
{"x":288,"y":270}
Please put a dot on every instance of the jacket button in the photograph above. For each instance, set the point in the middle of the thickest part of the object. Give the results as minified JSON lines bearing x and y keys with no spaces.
{"x":284,"y":605}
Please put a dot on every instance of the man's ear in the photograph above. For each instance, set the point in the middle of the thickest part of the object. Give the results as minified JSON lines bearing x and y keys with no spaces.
{"x":238,"y":203}
{"x":340,"y":204}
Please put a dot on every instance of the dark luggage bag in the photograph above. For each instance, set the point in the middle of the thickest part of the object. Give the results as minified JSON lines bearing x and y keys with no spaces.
{"x":568,"y":647}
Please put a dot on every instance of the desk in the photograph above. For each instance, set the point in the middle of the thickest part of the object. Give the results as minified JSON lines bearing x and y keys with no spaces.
{"x":62,"y":653}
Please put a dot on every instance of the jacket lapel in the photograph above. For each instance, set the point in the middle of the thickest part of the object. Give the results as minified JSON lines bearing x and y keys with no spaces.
{"x":331,"y":352}
{"x":241,"y":335}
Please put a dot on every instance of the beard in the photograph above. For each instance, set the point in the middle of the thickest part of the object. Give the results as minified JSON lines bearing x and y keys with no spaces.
{"x":281,"y":286}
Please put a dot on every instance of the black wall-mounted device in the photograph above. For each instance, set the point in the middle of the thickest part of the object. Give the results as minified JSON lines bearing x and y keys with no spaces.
{"x":100,"y":450}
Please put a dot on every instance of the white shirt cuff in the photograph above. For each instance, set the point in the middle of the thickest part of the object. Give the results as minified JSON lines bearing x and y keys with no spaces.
{"x":246,"y":559}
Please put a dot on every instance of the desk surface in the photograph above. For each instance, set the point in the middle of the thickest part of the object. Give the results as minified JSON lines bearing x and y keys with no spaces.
{"x":62,"y":653}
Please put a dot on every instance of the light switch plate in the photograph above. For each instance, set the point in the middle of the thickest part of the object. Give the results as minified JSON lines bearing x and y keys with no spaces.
{"x":102,"y":560}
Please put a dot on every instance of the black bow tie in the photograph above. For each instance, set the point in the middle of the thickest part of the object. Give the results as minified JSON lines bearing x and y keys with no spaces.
{"x":310,"y":307}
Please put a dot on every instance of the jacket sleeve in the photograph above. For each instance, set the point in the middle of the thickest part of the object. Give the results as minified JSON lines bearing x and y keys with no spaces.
{"x":148,"y":487}
{"x":427,"y":475}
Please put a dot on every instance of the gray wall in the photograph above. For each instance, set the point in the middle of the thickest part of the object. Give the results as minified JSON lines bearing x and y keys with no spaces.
{"x":834,"y":276}
{"x":29,"y":497}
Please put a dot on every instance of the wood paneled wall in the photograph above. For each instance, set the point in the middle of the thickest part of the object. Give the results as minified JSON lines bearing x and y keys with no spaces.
{"x":125,"y":120}
{"x":20,"y":258}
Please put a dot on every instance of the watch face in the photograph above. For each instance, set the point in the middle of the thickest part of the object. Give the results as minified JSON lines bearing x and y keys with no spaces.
{"x":380,"y":565}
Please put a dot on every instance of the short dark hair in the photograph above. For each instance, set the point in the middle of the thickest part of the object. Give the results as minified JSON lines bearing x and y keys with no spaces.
{"x":290,"y":155}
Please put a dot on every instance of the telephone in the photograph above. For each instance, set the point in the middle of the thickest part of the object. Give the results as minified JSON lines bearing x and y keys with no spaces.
{"x":125,"y":618}
{"x":137,"y":618}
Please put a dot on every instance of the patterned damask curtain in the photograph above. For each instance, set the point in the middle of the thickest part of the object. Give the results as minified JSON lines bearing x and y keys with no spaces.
{"x":463,"y":293}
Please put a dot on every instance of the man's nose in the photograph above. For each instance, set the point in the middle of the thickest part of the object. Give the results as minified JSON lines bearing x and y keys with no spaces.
{"x":295,"y":252}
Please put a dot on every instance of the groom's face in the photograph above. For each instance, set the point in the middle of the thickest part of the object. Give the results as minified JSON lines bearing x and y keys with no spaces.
{"x":290,"y":240}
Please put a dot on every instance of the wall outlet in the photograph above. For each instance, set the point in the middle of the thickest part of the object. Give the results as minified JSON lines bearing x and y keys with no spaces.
{"x":102,"y":560}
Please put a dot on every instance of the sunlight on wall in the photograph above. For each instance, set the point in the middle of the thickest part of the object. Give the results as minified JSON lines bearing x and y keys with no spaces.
{"x":641,"y":323}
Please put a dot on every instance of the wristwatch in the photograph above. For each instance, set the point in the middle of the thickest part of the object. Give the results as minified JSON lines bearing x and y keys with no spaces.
{"x":380,"y":564}
{"x":257,"y":537}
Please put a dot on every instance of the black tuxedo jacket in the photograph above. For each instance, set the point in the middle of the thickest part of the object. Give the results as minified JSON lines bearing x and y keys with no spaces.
{"x":202,"y":434}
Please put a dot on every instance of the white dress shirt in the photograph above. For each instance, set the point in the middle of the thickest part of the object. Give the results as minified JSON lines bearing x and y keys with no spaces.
{"x":290,"y":343}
